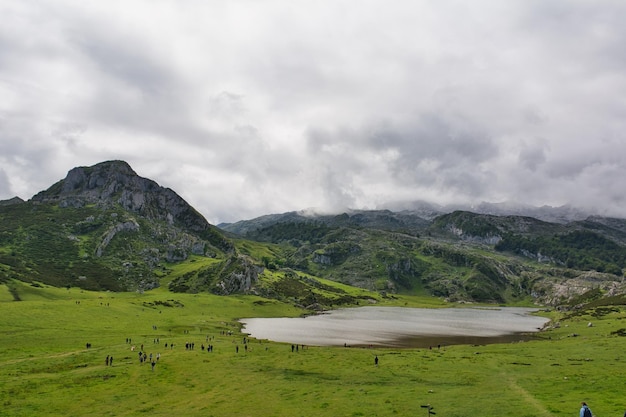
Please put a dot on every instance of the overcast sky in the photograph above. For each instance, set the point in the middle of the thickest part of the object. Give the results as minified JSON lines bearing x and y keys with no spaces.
{"x":251,"y":107}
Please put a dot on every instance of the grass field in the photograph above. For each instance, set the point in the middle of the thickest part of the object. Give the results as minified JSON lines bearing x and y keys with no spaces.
{"x":46,"y":368}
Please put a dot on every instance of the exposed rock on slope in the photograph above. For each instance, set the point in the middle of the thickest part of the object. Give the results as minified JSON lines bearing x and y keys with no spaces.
{"x":461,"y":256}
{"x":114,"y":182}
{"x":103,"y":228}
{"x":235,"y":274}
{"x":119,"y":227}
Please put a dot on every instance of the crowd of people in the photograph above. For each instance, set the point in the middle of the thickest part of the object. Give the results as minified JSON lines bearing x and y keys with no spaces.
{"x":151,"y":358}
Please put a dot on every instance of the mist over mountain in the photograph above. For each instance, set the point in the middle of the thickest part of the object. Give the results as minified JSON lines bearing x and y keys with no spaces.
{"x":415,"y":215}
{"x":459,"y":255}
{"x":561,"y":214}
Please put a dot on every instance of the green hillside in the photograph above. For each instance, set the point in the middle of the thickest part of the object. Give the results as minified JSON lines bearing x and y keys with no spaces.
{"x":87,"y":247}
{"x":106,"y":228}
{"x":460,"y":257}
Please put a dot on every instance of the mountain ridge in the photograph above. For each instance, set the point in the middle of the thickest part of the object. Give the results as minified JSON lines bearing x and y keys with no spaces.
{"x":105,"y":227}
{"x":460,"y":255}
{"x":111,"y":182}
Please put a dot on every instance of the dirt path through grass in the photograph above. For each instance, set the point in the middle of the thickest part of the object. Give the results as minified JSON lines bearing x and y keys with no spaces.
{"x":39,"y":357}
{"x":541,"y":410}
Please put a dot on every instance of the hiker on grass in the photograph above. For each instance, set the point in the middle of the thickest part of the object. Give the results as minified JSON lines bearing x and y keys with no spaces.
{"x":584,"y":410}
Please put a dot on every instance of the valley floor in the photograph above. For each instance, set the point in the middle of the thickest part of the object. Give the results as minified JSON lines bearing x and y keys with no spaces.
{"x":47,"y":369}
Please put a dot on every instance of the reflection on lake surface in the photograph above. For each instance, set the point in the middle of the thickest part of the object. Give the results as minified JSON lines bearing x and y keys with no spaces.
{"x":400,"y":327}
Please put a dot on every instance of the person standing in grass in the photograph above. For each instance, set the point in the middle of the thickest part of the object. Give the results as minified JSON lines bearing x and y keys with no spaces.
{"x":585,"y":411}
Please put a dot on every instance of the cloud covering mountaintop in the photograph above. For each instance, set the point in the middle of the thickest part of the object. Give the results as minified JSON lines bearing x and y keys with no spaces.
{"x":253,"y":107}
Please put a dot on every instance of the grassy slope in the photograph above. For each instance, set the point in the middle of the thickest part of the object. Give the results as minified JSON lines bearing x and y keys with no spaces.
{"x":46,"y":369}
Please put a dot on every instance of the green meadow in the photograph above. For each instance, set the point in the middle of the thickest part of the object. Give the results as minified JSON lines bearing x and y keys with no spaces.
{"x":47,"y":369}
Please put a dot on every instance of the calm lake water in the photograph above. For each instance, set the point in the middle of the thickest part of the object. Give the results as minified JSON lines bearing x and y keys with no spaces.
{"x":400,"y":327}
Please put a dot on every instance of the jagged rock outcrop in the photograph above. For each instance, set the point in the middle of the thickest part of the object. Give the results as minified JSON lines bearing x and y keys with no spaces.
{"x":335,"y":253}
{"x":114,"y":182}
{"x":239,"y":276}
{"x":236,"y":274}
{"x":129,"y":226}
{"x":489,"y":239}
{"x":560,"y":292}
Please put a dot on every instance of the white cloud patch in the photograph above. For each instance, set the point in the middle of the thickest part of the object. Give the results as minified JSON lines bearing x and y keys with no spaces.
{"x":246,"y":108}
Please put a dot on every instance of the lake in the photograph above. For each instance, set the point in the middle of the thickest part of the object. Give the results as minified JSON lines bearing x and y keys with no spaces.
{"x":400,"y":327}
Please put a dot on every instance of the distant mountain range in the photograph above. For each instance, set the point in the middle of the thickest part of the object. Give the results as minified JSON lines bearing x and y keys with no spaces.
{"x":105,"y":227}
{"x":429,"y":211}
{"x":458,"y":254}
{"x":419,"y":218}
{"x":561,"y":214}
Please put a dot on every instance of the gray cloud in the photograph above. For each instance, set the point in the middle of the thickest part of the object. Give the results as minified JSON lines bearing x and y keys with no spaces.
{"x":5,"y":186}
{"x":246,"y":108}
{"x":532,"y":157}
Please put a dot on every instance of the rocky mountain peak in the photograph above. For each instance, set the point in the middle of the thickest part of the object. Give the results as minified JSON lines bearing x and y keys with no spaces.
{"x":96,"y":184}
{"x":115,"y":183}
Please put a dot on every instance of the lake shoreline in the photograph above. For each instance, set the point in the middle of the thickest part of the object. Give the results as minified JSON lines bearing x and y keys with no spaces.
{"x":401,"y":327}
